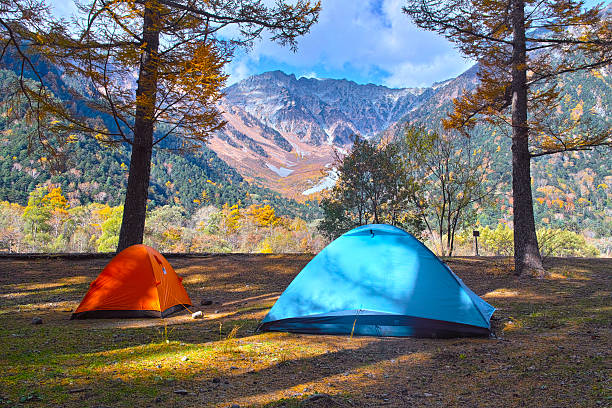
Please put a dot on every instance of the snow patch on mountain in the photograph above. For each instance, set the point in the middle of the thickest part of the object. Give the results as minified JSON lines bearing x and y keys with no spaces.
{"x":325,"y":183}
{"x":281,"y":171}
{"x":342,"y":151}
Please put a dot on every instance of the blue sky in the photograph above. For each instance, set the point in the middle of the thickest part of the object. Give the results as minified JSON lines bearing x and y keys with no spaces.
{"x":366,"y":41}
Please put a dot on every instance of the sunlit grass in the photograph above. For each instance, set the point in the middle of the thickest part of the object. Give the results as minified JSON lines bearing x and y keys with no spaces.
{"x":517,"y":294}
{"x":62,"y":284}
{"x":501,"y":293}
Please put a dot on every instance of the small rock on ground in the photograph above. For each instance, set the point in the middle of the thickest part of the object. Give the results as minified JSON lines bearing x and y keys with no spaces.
{"x":197,"y":315}
{"x":322,"y":401}
{"x":37,"y":320}
{"x":206,"y":302}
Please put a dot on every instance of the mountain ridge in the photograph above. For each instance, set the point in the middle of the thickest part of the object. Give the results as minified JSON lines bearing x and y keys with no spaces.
{"x":278,"y":121}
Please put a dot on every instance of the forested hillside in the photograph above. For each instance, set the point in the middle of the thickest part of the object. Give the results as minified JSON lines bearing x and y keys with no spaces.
{"x":571,"y":190}
{"x":94,"y":172}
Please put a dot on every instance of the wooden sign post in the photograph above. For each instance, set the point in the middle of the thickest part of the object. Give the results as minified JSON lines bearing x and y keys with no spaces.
{"x":476,"y":234}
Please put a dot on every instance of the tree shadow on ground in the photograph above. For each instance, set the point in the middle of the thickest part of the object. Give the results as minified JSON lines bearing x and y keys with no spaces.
{"x":553,"y":356}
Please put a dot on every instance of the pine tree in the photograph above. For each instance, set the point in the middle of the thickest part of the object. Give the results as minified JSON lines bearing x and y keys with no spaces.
{"x":521,"y":45}
{"x":176,"y":51}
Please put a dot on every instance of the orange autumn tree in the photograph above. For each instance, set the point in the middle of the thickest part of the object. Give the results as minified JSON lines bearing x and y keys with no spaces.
{"x":521,"y":46}
{"x":44,"y":217}
{"x":263,"y":215}
{"x":154,"y":68}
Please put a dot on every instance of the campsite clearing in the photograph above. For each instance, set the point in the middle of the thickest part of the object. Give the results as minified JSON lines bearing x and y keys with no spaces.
{"x":553,"y":350}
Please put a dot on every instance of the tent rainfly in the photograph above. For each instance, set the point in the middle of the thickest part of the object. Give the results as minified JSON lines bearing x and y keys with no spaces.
{"x":138,"y":282}
{"x":379,"y":280}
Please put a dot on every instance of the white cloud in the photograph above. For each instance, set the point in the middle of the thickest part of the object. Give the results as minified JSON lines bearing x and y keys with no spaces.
{"x":237,"y":71}
{"x":369,"y":39}
{"x":420,"y":75}
{"x":309,"y":75}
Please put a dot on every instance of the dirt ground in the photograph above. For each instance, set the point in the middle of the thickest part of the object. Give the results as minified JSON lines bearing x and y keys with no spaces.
{"x":553,"y":347}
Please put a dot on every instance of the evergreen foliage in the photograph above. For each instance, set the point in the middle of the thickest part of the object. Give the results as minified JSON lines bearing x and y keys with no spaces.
{"x":372,"y":188}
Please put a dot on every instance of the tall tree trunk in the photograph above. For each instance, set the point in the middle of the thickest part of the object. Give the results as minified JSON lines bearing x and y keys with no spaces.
{"x":526,"y":253}
{"x":135,"y":206}
{"x":375,"y":210}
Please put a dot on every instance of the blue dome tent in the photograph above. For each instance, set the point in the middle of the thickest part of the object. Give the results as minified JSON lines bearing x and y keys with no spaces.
{"x":379,"y":280}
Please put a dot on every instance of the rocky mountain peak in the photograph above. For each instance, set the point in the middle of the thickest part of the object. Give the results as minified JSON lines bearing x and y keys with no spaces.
{"x":320,"y":111}
{"x":287,"y":128}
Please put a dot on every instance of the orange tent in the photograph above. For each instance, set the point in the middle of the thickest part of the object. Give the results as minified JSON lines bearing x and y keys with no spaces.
{"x":138,"y":282}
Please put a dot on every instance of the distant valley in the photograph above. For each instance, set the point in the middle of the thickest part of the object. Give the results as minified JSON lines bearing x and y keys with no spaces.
{"x":282,"y":131}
